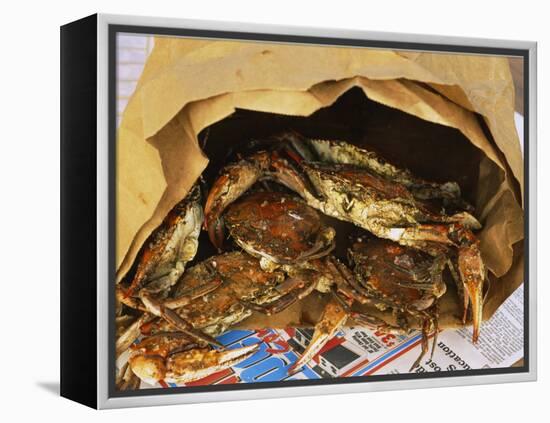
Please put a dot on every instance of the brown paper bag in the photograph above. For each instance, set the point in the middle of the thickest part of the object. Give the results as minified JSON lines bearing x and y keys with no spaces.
{"x":188,"y":85}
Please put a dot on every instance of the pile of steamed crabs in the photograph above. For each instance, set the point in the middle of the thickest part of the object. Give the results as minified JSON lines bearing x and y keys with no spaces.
{"x":274,"y":248}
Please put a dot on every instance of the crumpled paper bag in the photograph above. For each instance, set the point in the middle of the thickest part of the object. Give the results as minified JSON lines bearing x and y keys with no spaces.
{"x":190,"y":84}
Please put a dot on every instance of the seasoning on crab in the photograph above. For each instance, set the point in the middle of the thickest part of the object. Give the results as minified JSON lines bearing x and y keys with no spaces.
{"x":385,"y":275}
{"x":340,"y":152}
{"x":173,"y":244}
{"x":159,"y":263}
{"x":173,"y":358}
{"x":278,"y":228}
{"x":209,"y":299}
{"x":288,"y":250}
{"x":354,"y":185}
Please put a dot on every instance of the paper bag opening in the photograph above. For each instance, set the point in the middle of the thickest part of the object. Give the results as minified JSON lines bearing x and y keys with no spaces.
{"x":430,"y":150}
{"x":191,"y":84}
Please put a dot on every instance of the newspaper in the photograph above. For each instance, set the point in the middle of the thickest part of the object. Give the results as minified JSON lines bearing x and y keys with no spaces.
{"x":360,"y":351}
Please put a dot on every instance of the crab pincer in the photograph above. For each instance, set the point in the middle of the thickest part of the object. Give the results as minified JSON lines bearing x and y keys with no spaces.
{"x":173,"y":358}
{"x":334,"y":316}
{"x":473,"y":275}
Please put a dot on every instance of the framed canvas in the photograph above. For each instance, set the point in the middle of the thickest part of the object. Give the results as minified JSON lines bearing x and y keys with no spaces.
{"x":255,"y":211}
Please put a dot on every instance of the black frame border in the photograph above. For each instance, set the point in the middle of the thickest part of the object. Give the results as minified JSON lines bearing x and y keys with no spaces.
{"x":114,"y":29}
{"x":78,"y":211}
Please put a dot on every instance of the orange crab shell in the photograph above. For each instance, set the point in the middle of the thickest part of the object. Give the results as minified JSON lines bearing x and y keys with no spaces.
{"x":372,"y":263}
{"x":277,"y":224}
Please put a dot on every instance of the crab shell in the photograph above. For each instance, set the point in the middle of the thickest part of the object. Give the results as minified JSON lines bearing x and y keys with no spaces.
{"x":354,"y":194}
{"x":242,"y":279}
{"x":389,"y":270}
{"x":174,"y":243}
{"x":277,"y":227}
{"x":340,"y":152}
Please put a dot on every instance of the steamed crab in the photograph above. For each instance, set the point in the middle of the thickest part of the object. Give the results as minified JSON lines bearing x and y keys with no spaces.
{"x":210,"y":297}
{"x":278,"y":228}
{"x":385,"y":275}
{"x":355,"y":185}
{"x":285,"y":259}
{"x":165,"y":253}
{"x":281,"y":231}
{"x":159,"y":264}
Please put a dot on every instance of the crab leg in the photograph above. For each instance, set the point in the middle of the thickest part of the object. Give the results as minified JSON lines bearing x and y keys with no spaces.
{"x":334,"y":315}
{"x":428,"y":278}
{"x":189,"y":295}
{"x":285,"y":173}
{"x":378,"y":324}
{"x":126,"y":379}
{"x":336,"y":312}
{"x":324,"y":244}
{"x":426,"y":326}
{"x":132,"y":302}
{"x":300,"y":291}
{"x":234,"y":181}
{"x":130,"y":334}
{"x":148,"y":304}
{"x":429,"y":325}
{"x":462,"y":295}
{"x":333,"y":318}
{"x":435,"y":321}
{"x":472,"y":274}
{"x":348,"y":285}
{"x":153,"y":306}
{"x":148,"y":358}
{"x":160,"y":310}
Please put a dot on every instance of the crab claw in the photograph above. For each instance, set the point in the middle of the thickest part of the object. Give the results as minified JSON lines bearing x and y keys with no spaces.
{"x":234,"y":181}
{"x":333,"y":317}
{"x":187,"y":366}
{"x":216,"y":232}
{"x":472,"y":274}
{"x":199,"y":363}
